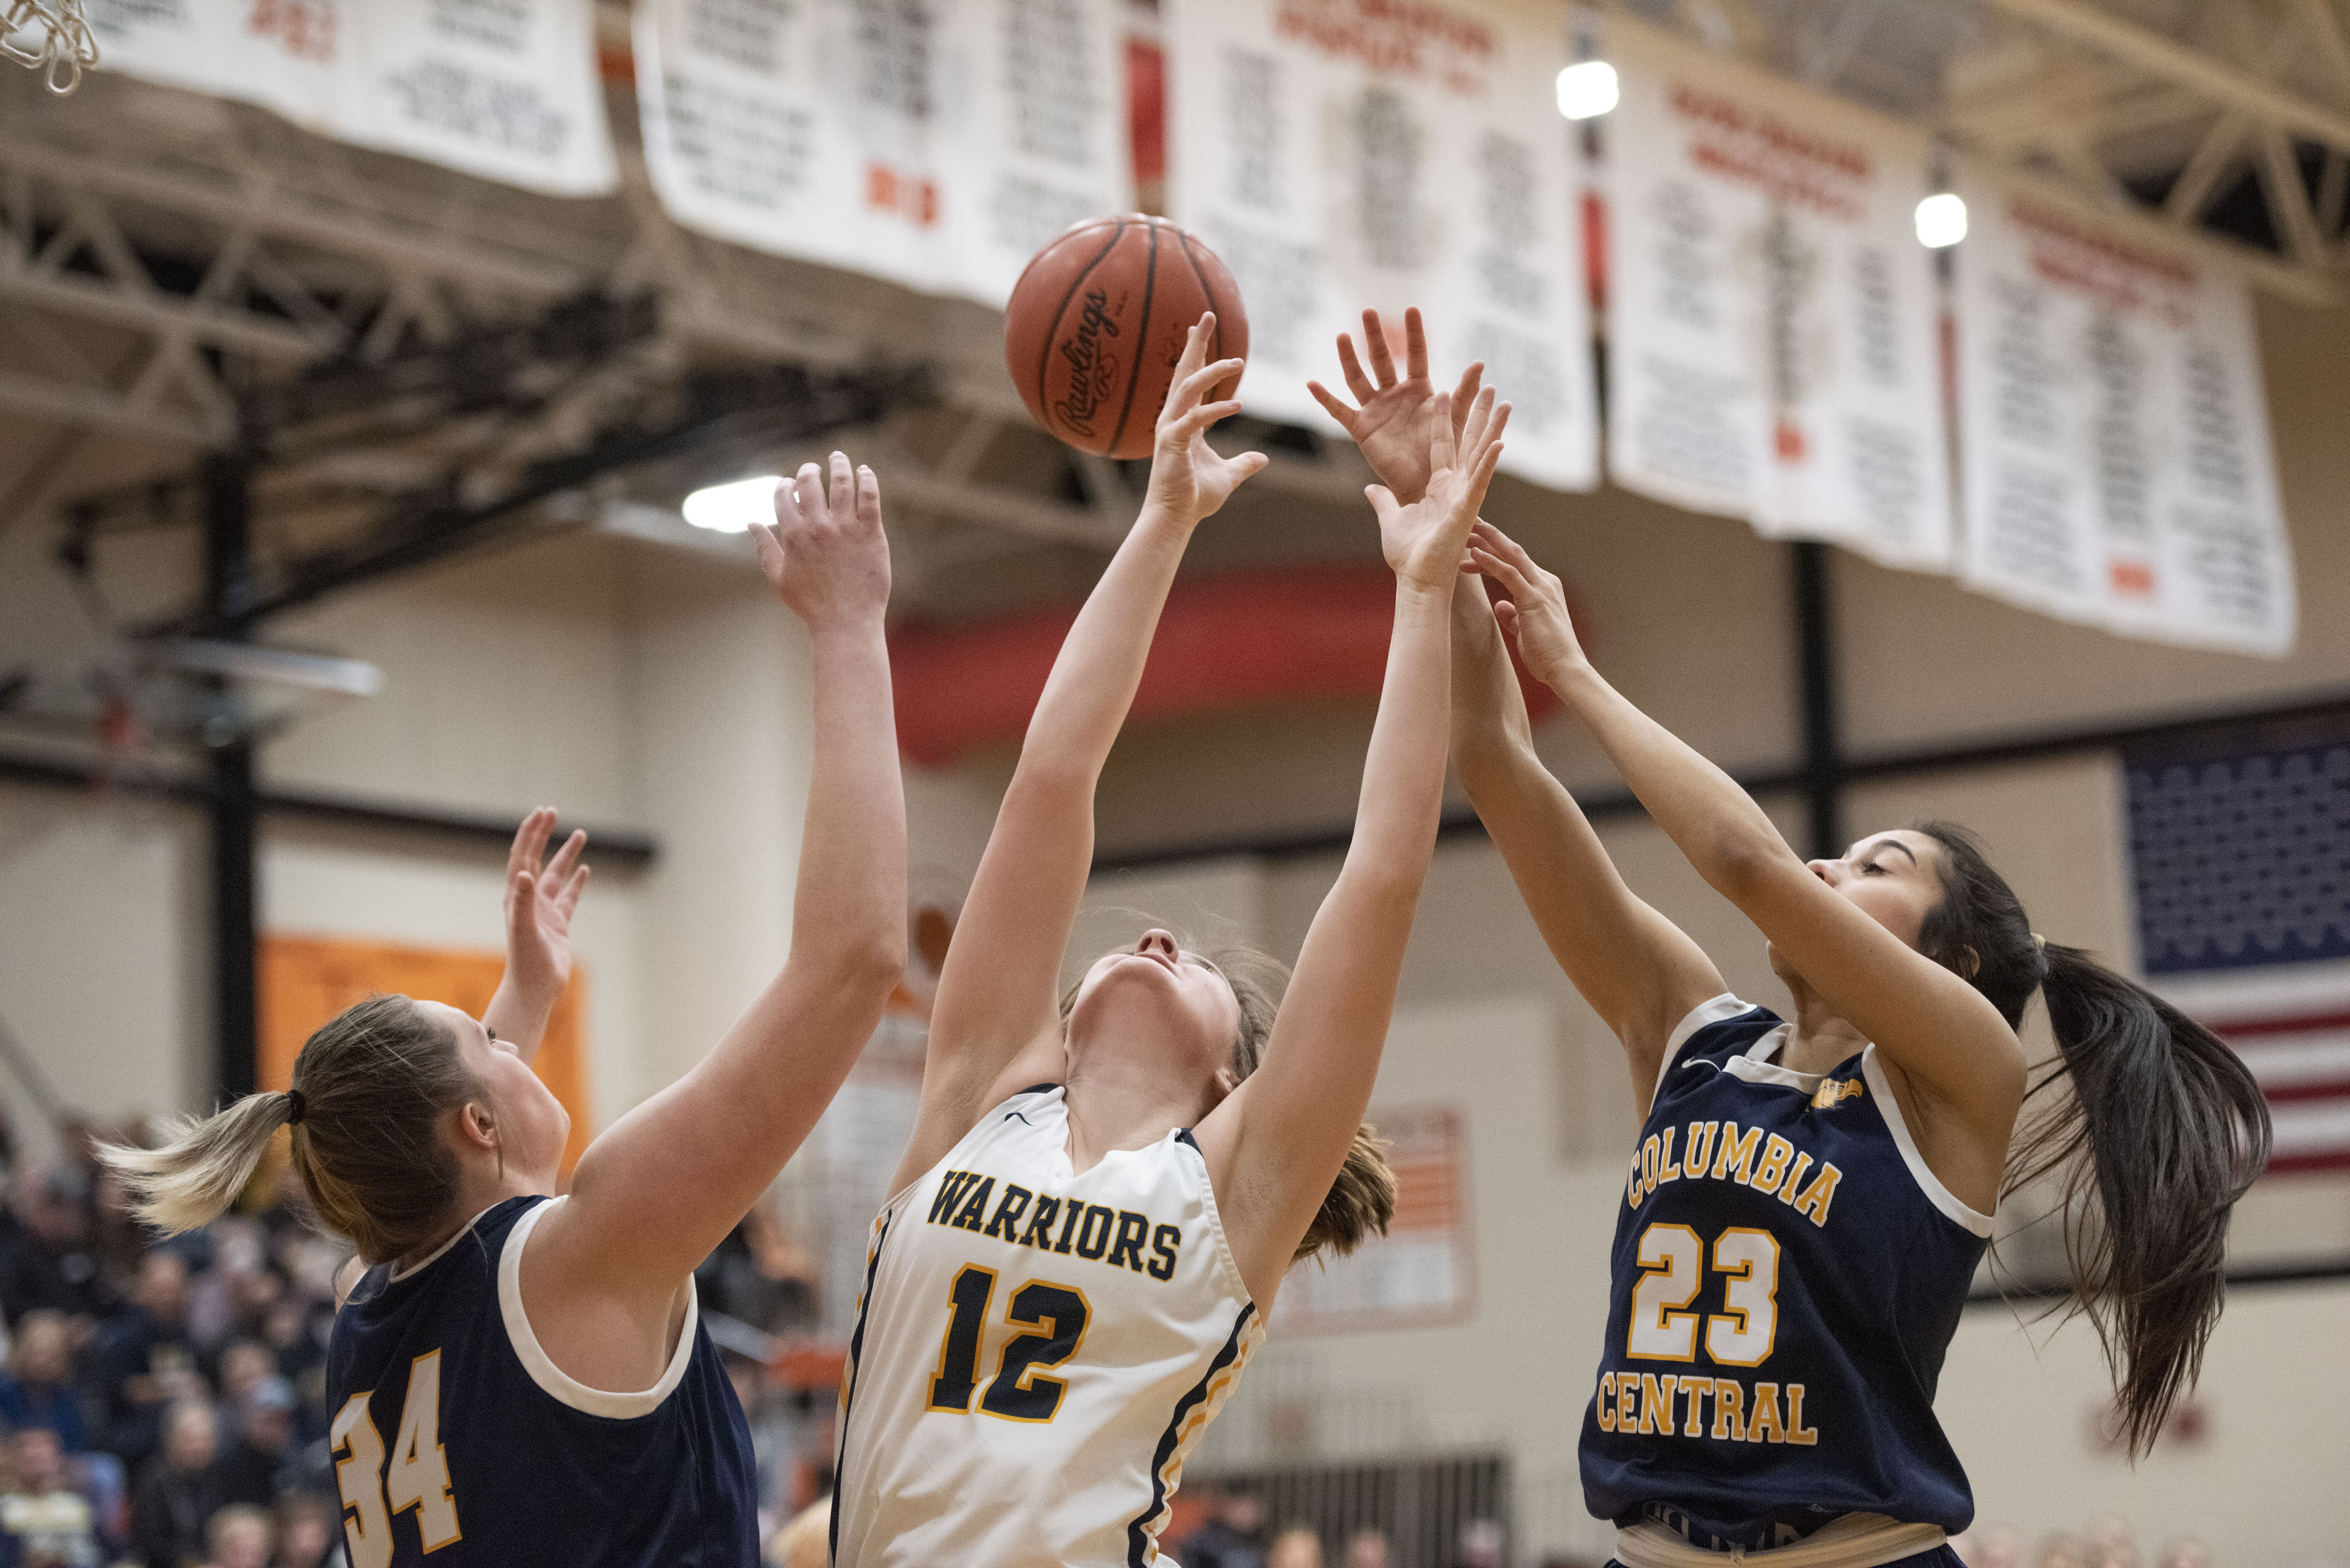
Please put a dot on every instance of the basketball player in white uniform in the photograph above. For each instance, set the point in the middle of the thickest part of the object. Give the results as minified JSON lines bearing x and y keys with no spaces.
{"x":1099,"y":1202}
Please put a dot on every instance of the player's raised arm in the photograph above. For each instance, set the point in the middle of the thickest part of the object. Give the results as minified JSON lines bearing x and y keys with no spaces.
{"x":1639,"y":971}
{"x":665,"y":1184}
{"x":1928,"y":1019}
{"x":997,"y":996}
{"x":1275,"y":1145}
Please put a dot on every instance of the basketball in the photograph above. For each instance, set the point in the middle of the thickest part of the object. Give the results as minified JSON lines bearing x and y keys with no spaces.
{"x":1097,"y":320}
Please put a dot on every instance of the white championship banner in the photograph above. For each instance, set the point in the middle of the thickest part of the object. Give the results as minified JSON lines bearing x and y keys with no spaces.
{"x":505,"y":89}
{"x":936,"y":144}
{"x":1772,"y":319}
{"x":2113,"y":429}
{"x":1345,"y":154}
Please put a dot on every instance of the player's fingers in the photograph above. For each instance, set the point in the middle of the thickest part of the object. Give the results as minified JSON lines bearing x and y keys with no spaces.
{"x":1502,"y":572}
{"x":1490,"y":460}
{"x":1383,"y":501}
{"x":566,"y":857}
{"x":1201,"y":382}
{"x":570,"y":900}
{"x":1375,"y":338}
{"x":1197,"y":422}
{"x":843,"y":496}
{"x":807,"y":494}
{"x":1440,"y":446}
{"x":1472,"y":432}
{"x":1247,"y":466}
{"x":1415,"y":344}
{"x":1195,"y":344}
{"x":1351,"y":369}
{"x":519,"y":907}
{"x":1332,"y":406}
{"x":519,"y":853}
{"x":1499,"y":544}
{"x":869,"y":496}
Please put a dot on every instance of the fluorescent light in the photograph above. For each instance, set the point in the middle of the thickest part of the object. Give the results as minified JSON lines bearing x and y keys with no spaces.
{"x":1942,"y":221}
{"x":1586,"y":89}
{"x":732,"y":508}
{"x":276,"y":666}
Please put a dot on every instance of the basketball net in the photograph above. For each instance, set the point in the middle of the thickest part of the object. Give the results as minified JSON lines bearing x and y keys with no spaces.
{"x":67,"y":46}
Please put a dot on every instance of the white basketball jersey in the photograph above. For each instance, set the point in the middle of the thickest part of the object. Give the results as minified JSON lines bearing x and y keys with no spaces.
{"x":1036,"y":1351}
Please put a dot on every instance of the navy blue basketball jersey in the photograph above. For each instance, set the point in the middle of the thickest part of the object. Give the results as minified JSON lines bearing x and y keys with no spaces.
{"x":1785,"y":1277}
{"x":458,"y":1444}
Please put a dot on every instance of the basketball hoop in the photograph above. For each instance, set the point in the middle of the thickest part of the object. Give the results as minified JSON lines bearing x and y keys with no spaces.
{"x":68,"y":46}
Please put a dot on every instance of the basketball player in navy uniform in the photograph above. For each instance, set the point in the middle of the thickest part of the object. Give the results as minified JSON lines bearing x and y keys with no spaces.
{"x":1103,"y":1193}
{"x":1810,"y":1196}
{"x":522,"y":1379}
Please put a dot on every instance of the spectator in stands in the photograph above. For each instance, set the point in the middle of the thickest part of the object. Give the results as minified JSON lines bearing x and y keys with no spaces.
{"x":179,"y":1491}
{"x":47,"y":1263}
{"x":252,"y":1461}
{"x":309,"y":1533}
{"x":1233,"y":1535}
{"x":143,"y":1359}
{"x":1368,"y":1549}
{"x":37,"y":1389}
{"x":1296,"y":1547}
{"x":1481,"y":1541}
{"x":50,"y":1524}
{"x":239,"y":1536}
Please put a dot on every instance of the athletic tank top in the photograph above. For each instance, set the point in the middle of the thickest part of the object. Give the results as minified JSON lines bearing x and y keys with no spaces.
{"x":1786,"y":1278}
{"x":1036,"y":1351}
{"x":458,"y":1444}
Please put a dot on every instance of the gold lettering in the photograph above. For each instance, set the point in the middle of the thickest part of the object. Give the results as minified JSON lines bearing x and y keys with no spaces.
{"x":1668,"y":1168}
{"x":1696,"y":1388}
{"x":1796,"y":1431}
{"x":1816,"y":1198}
{"x":1776,"y":1153}
{"x":1607,"y":1401}
{"x":1649,"y":1164}
{"x":1795,"y":1178}
{"x":1765,"y":1427}
{"x":1651,"y":1398}
{"x":1729,"y":1408}
{"x":1736,"y":1155}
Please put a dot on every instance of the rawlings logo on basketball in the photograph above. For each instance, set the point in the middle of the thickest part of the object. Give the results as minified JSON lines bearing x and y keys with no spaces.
{"x":1091,"y":369}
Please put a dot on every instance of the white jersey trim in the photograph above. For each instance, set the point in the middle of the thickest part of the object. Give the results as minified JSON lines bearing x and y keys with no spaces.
{"x":1712,"y":1009}
{"x":437,"y":1252}
{"x":1928,"y":1182}
{"x":552,"y":1380}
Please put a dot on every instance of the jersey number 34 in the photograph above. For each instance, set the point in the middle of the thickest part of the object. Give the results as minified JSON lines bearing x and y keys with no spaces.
{"x":415,"y":1474}
{"x":1057,"y":1313}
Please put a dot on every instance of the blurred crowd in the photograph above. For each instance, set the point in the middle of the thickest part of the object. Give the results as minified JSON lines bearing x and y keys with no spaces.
{"x":2106,"y":1542}
{"x":1236,"y":1529}
{"x":162,"y":1402}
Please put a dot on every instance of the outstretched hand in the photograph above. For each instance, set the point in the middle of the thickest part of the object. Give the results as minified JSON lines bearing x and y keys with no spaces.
{"x":1188,"y":476}
{"x":539,"y":901}
{"x":1423,"y":542}
{"x":1535,"y":615}
{"x":1398,"y":419}
{"x":826,"y":552}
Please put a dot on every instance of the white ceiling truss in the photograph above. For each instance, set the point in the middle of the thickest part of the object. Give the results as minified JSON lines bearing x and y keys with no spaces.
{"x":157,"y":247}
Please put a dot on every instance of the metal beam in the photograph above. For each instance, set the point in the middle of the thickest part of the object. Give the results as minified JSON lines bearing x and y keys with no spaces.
{"x":2162,"y":56}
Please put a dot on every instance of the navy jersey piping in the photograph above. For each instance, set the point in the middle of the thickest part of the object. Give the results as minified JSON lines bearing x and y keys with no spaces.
{"x":848,"y":1396}
{"x":1137,"y":1541}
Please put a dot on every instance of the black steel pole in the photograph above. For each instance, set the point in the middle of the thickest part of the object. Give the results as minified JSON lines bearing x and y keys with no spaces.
{"x":1823,"y":743}
{"x":233,"y":806}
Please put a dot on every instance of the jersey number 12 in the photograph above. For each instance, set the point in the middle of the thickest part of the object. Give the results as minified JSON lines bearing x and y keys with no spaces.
{"x":1016,"y":1393}
{"x":415,"y":1474}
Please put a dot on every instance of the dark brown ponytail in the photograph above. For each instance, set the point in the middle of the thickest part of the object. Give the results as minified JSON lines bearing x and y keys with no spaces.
{"x":2152,"y":1127}
{"x":1363,"y":1198}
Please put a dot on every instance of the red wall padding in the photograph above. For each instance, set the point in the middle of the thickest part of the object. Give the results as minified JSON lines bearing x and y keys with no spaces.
{"x":1239,"y":640}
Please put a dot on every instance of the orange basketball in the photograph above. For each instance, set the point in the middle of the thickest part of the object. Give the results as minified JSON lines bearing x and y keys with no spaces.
{"x":1096,"y":322}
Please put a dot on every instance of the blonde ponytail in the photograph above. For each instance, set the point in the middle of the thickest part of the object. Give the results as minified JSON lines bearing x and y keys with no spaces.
{"x":204,"y":1163}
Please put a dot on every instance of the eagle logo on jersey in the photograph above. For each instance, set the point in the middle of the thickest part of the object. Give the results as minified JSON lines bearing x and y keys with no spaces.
{"x":1832,"y":1090}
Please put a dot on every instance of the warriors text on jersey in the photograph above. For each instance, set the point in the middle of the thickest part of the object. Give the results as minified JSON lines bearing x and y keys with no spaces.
{"x":1036,"y":1351}
{"x":457,"y":1442}
{"x":1785,"y":1277}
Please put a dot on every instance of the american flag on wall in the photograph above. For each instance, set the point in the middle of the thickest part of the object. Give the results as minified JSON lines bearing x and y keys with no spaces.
{"x":2242,"y":861}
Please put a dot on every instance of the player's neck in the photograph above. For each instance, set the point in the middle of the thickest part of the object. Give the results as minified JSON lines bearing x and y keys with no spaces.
{"x":1820,"y":1039}
{"x":1111,"y":1109}
{"x":477,"y":1190}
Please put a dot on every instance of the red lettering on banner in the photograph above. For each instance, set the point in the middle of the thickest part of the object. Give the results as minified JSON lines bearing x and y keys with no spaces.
{"x":305,"y":28}
{"x":2134,"y":578}
{"x":1754,"y":147}
{"x":2088,"y":258}
{"x":1397,"y":37}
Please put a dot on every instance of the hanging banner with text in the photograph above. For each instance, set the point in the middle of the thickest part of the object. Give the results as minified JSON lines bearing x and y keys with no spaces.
{"x":2114,"y":431}
{"x":1773,"y":347}
{"x":938,"y":145}
{"x":505,"y":89}
{"x":1345,"y":154}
